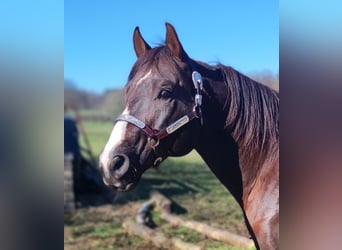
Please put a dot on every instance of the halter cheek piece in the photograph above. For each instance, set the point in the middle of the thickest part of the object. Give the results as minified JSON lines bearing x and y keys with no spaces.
{"x":158,"y":135}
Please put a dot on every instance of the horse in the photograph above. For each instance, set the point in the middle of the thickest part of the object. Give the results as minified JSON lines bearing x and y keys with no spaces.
{"x":174,"y":104}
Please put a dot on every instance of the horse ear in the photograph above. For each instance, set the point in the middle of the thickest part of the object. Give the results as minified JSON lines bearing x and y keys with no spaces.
{"x":140,"y":45}
{"x":173,"y":43}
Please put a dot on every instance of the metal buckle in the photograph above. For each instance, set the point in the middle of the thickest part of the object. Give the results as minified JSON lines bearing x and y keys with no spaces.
{"x":198,"y":83}
{"x":197,"y":80}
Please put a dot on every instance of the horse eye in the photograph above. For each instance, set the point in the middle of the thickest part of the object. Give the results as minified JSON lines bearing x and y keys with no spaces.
{"x":165,"y":94}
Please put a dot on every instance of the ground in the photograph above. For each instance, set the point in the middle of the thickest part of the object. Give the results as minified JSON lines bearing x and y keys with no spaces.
{"x":195,"y":191}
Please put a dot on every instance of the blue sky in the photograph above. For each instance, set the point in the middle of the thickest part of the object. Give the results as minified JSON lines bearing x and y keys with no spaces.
{"x":98,"y":49}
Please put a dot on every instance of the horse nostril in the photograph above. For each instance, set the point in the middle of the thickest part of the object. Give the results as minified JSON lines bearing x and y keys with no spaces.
{"x":117,"y":162}
{"x":119,"y":165}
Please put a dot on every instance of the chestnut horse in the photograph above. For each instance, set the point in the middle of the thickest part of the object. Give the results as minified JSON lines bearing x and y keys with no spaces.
{"x":175,"y":104}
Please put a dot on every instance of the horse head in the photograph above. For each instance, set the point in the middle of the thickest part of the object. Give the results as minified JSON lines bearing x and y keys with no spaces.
{"x":162,"y":114}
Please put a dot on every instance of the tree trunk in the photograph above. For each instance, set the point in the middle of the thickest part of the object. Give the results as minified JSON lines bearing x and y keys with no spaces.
{"x":228,"y":237}
{"x":158,"y":238}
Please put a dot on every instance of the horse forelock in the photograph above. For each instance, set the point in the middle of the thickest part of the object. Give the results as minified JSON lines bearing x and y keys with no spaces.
{"x":158,"y":59}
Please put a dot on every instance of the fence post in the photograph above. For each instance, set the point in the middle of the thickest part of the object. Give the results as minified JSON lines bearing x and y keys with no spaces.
{"x":69,"y":196}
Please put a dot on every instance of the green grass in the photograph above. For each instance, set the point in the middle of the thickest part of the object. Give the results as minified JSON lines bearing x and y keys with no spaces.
{"x":187,"y":181}
{"x":106,"y":230}
{"x":98,"y":133}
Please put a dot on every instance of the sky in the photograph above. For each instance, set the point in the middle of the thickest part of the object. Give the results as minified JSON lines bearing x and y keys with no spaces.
{"x":98,"y":48}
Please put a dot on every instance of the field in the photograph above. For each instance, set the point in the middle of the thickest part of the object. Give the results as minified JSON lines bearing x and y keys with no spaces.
{"x":187,"y":181}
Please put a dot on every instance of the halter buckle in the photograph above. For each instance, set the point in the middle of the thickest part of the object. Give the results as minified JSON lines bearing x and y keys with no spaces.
{"x":198,"y":83}
{"x":197,"y":80}
{"x":198,"y":99}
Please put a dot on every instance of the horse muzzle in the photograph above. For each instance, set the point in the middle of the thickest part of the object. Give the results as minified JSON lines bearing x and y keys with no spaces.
{"x":119,"y":173}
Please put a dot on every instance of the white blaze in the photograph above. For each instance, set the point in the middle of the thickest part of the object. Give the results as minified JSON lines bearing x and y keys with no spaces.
{"x":144,"y":77}
{"x":116,"y":137}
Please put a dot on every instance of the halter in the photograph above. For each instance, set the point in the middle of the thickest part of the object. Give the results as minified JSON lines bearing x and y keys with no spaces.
{"x":158,"y":135}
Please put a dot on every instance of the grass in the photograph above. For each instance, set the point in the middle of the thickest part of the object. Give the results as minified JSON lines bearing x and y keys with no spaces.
{"x":98,"y":133}
{"x":187,"y":181}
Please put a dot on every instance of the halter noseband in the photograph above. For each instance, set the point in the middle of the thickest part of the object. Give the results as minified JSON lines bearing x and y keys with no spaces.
{"x":157,"y":135}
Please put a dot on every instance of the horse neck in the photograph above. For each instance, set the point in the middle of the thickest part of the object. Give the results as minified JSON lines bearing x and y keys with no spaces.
{"x":214,"y":142}
{"x":223,"y":144}
{"x":213,"y":147}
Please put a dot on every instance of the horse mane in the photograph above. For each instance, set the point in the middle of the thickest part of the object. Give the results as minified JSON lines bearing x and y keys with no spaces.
{"x":253,"y":114}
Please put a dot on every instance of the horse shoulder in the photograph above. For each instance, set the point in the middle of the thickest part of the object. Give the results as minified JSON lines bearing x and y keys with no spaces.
{"x":262,"y":207}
